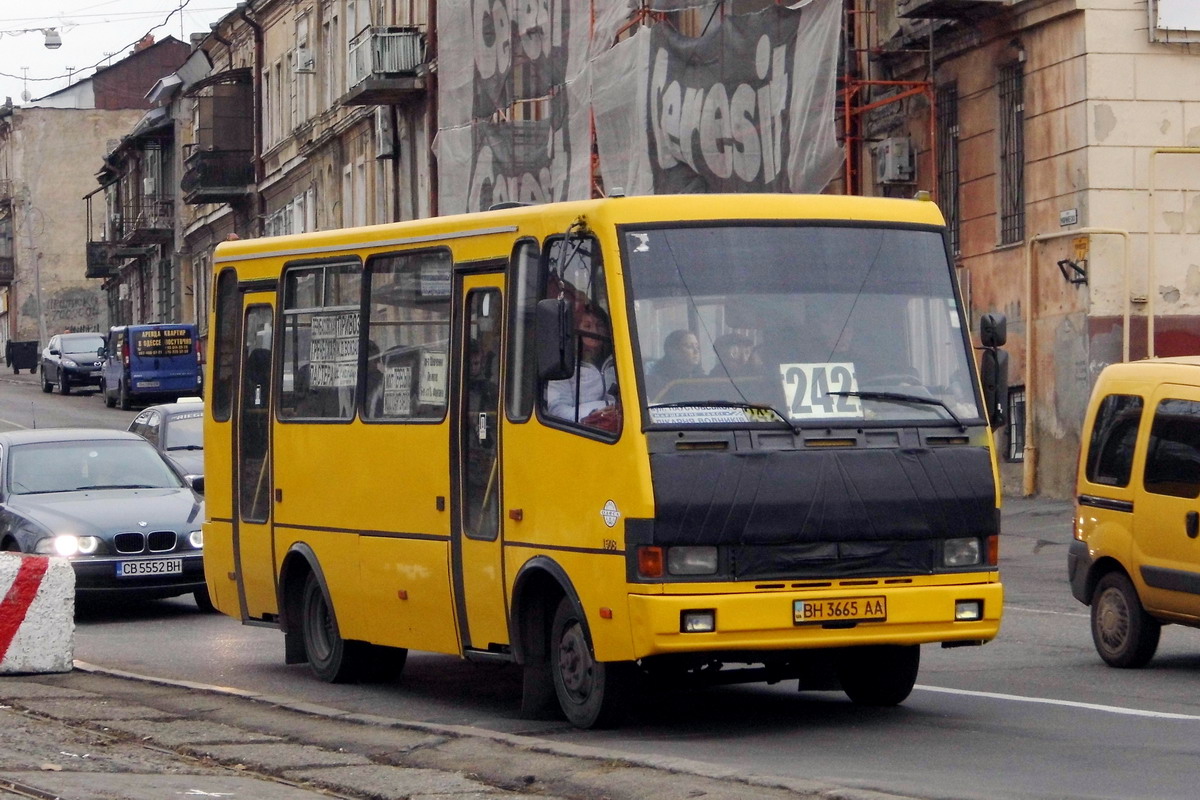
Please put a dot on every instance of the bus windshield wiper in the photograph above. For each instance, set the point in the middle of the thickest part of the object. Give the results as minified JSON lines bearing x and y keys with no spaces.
{"x":779,"y":417}
{"x":901,"y":397}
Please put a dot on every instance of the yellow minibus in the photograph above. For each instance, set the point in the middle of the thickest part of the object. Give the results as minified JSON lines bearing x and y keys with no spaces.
{"x":705,"y":438}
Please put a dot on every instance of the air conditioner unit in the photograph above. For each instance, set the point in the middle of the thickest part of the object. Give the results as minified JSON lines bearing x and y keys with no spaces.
{"x":949,"y":9}
{"x":894,"y":160}
{"x":305,"y":63}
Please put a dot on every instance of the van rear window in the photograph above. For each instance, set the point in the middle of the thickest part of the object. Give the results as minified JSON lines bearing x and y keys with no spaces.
{"x":1114,"y":433}
{"x":162,"y":343}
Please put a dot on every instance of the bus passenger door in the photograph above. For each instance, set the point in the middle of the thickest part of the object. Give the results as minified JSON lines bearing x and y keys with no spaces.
{"x":253,"y":545}
{"x":475,"y":508}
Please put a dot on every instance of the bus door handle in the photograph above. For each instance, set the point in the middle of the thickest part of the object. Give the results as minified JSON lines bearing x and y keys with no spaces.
{"x":483,"y":426}
{"x":1192,"y":524}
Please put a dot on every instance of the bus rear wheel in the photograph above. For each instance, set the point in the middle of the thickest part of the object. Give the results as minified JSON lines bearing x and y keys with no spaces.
{"x":592,"y":694}
{"x":878,"y":675}
{"x":329,"y":658}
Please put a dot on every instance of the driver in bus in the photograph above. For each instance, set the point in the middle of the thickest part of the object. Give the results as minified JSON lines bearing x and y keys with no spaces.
{"x":595,"y":375}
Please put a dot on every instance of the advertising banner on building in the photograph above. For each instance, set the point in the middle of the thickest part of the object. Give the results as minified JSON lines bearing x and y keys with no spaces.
{"x":748,"y":106}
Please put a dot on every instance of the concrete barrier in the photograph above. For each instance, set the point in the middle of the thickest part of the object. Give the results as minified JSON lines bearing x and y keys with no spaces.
{"x":37,"y":614}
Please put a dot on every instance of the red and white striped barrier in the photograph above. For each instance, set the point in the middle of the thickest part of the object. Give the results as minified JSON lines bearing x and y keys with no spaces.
{"x":37,"y":614}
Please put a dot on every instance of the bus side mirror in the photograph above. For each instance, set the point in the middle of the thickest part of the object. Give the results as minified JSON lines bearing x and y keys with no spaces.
{"x":993,"y":372}
{"x":554,"y":328}
{"x":993,"y":330}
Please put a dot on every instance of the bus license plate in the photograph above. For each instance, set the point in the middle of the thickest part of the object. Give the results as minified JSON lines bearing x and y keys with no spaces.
{"x":154,"y":566}
{"x":840,"y":609}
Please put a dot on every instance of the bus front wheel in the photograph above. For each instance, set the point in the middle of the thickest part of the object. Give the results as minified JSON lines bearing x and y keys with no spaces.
{"x":878,"y":675}
{"x":592,"y":694}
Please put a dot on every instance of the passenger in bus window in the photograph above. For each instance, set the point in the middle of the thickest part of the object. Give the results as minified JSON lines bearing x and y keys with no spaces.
{"x":680,"y":361}
{"x":735,"y":354}
{"x":594,"y":382}
{"x":373,"y":406}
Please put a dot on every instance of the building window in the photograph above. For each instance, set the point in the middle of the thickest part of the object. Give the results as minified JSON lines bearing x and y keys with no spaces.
{"x":1012,"y":154}
{"x":1016,"y":423}
{"x":947,"y":142}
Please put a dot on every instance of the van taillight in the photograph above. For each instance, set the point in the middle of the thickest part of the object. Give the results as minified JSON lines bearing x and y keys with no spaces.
{"x":125,"y":353}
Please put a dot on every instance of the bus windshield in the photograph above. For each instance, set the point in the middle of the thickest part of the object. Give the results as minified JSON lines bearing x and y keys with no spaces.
{"x":809,"y":323}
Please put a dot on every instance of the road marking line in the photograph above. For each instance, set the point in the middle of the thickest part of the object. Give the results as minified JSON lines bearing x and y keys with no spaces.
{"x":17,"y":600}
{"x":1047,"y":611}
{"x":1129,"y":712}
{"x":14,"y":424}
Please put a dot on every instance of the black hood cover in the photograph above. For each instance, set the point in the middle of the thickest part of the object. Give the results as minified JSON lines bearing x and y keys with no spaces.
{"x":809,"y":499}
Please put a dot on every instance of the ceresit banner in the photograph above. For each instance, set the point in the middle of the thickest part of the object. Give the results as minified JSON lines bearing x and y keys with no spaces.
{"x":523,"y":84}
{"x":747,"y":107}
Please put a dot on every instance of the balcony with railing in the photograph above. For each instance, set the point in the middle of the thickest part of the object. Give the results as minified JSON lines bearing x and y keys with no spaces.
{"x":149,"y":219}
{"x":114,"y":242}
{"x":387,"y":66}
{"x":216,"y":176}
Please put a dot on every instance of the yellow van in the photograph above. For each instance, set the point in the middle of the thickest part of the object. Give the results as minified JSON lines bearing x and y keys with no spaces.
{"x":1136,"y":556}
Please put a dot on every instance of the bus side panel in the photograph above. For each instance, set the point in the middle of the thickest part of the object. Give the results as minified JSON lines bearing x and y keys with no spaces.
{"x":219,"y":565}
{"x":406,"y":594}
{"x":563,"y":493}
{"x":380,"y":483}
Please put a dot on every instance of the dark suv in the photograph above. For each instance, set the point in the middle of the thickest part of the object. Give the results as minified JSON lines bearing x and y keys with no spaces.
{"x":71,"y":360}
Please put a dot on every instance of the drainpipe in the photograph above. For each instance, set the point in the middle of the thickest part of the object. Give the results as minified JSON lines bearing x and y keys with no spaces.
{"x":214,"y":27}
{"x":1151,"y":271}
{"x":1030,"y":452}
{"x":431,"y":106}
{"x":259,"y":176}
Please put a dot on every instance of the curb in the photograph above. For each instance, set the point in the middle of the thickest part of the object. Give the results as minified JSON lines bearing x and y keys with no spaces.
{"x":664,"y":764}
{"x":37,"y":614}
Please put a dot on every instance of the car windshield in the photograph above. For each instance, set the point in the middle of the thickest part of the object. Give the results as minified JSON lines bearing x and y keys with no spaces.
{"x":185,"y":432}
{"x":82,"y":344}
{"x":48,"y":467}
{"x":791,"y":324}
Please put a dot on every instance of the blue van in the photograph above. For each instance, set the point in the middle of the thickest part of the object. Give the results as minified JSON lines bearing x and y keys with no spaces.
{"x":150,"y":364}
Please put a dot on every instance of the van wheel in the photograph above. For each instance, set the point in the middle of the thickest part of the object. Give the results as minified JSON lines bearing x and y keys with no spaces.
{"x":592,"y":694}
{"x":1124,"y":634}
{"x":878,"y":675}
{"x":123,"y":398}
{"x":109,"y":400}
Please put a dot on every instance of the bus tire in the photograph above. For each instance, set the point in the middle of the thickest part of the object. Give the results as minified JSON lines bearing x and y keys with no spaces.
{"x":204,"y":601}
{"x":878,"y":675}
{"x":1124,"y":634}
{"x":591,"y":693}
{"x":329,"y":656}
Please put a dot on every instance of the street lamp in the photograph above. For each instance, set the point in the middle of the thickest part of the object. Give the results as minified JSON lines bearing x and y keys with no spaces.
{"x":52,"y":40}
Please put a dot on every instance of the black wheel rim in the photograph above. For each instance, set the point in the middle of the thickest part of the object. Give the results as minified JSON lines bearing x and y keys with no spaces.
{"x":576,"y":668}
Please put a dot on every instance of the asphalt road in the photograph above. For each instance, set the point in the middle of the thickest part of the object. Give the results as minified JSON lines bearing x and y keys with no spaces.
{"x":1034,"y":714}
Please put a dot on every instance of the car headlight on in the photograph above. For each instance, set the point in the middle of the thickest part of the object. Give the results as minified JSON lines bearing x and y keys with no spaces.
{"x":196,"y":539}
{"x":67,"y":544}
{"x":692,"y":560}
{"x":67,"y":362}
{"x":964,"y":552}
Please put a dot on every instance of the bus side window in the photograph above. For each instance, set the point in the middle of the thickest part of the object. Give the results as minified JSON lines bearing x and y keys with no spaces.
{"x":590,"y":398}
{"x":525,"y":279}
{"x":320,"y":342}
{"x":408,"y":319}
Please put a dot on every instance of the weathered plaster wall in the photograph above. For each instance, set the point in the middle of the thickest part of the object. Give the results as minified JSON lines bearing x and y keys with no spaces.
{"x":51,"y":226}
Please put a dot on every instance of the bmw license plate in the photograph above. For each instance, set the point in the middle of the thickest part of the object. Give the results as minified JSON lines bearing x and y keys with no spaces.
{"x":840,"y":609}
{"x":150,"y":566}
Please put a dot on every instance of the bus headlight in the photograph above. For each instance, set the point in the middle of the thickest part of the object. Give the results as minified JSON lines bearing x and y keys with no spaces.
{"x":67,"y":545}
{"x":692,"y":560}
{"x":962,"y":552}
